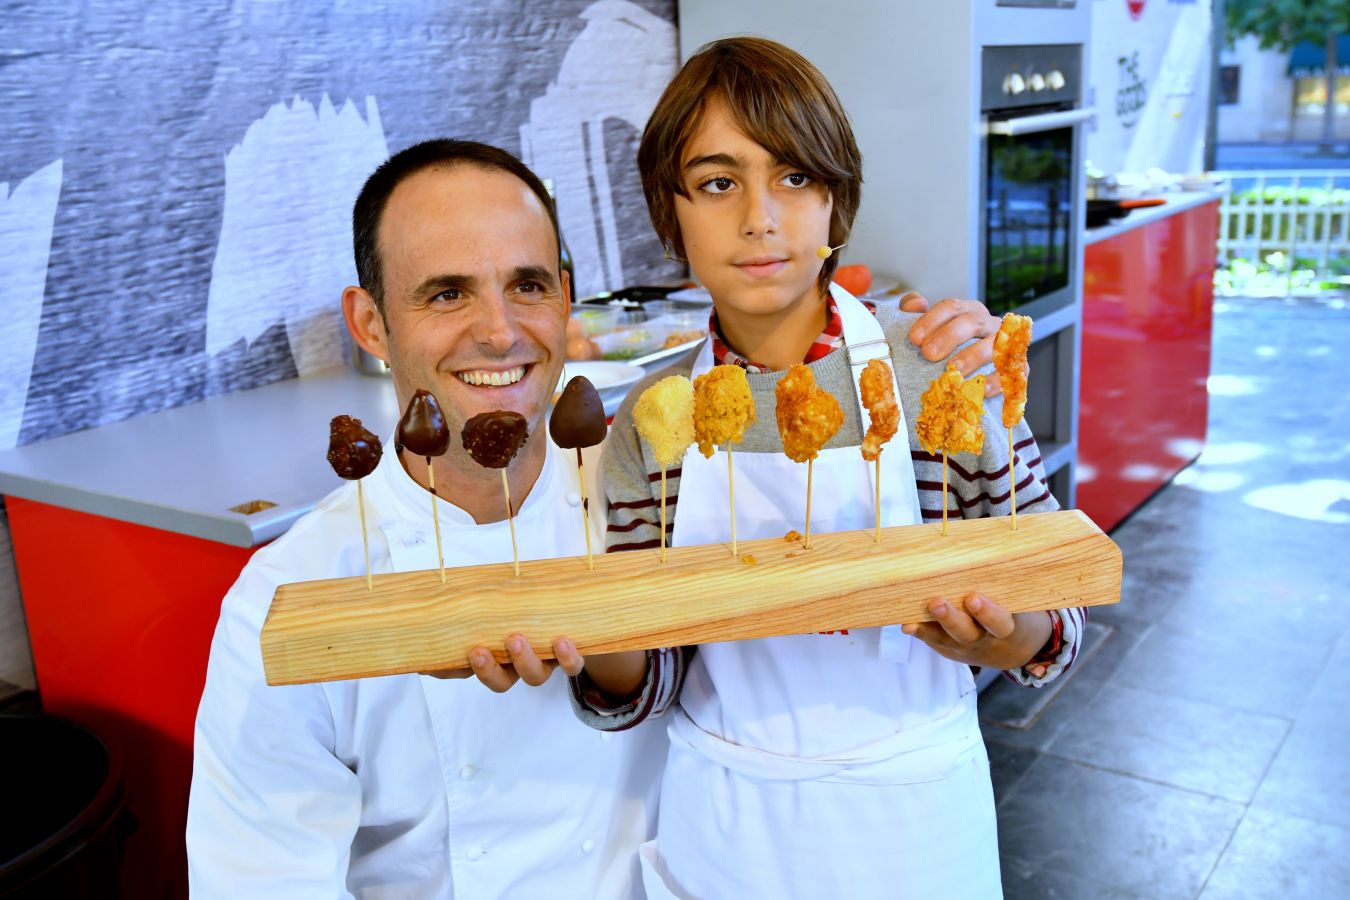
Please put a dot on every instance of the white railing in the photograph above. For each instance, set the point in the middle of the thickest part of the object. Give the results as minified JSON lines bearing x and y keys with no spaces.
{"x":1284,"y":232}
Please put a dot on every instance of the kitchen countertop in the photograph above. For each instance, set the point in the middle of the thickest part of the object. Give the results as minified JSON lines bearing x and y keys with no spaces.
{"x":182,"y":469}
{"x":1177,"y":201}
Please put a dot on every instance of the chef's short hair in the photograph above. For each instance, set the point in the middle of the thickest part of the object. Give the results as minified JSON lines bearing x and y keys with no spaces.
{"x":437,"y":153}
{"x":780,"y":101}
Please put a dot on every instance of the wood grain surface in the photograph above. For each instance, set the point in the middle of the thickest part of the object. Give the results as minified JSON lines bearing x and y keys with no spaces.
{"x":339,"y":629}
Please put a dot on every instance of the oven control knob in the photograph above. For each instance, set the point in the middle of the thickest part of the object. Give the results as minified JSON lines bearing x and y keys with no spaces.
{"x":1036,"y":82}
{"x":1014,"y":84}
{"x":1055,"y":80}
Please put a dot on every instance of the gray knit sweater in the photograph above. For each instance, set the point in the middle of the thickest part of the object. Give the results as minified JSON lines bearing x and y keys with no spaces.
{"x":978,"y":486}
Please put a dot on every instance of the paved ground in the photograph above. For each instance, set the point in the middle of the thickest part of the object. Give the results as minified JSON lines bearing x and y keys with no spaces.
{"x":1201,"y":751}
{"x":1280,"y":156}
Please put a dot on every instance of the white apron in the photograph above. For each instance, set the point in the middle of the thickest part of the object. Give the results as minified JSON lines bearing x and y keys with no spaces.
{"x":820,"y":765}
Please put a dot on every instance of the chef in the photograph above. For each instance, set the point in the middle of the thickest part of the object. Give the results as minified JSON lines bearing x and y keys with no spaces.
{"x":409,"y":785}
{"x":413,"y":785}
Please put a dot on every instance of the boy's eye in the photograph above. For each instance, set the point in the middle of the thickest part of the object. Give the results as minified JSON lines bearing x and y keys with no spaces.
{"x":717,"y":185}
{"x":797,"y":179}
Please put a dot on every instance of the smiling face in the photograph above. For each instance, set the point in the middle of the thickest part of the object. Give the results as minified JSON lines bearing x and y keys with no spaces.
{"x":475,"y":305}
{"x":751,"y":224}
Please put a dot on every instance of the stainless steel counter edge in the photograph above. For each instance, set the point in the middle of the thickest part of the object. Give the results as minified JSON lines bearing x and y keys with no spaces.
{"x":180,"y":470}
{"x":1177,"y":201}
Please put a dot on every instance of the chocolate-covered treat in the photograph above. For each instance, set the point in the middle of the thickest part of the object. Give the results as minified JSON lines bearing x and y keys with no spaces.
{"x":422,"y":428}
{"x":353,"y":452}
{"x":578,"y":418}
{"x":494,"y":438}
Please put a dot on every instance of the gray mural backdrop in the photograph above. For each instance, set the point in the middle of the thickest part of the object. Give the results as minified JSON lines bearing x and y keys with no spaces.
{"x":176,"y":181}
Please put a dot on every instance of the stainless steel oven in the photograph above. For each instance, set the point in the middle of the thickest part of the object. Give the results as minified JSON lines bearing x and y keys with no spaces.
{"x":1031,"y":159}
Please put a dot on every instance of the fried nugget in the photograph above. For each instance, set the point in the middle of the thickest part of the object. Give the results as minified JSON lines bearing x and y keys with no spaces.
{"x":723,"y":407}
{"x":952,"y":410}
{"x":664,"y":417}
{"x":878,"y":395}
{"x":1010,"y":361}
{"x":807,"y":416}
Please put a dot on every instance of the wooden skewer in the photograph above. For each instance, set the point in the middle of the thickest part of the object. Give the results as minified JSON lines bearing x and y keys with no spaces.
{"x":731,"y":484}
{"x":944,"y":491}
{"x":365,"y":541}
{"x":511,"y":522}
{"x":877,"y":537}
{"x":436,"y":517}
{"x":585,"y":511}
{"x":663,"y":514}
{"x":1012,"y":479}
{"x":806,"y":542}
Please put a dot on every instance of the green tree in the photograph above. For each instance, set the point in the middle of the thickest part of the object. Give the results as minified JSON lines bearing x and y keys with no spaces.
{"x":1280,"y":24}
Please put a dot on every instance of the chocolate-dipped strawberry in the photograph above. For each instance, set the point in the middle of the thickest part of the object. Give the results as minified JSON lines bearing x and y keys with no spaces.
{"x":354,"y":452}
{"x":578,"y":420}
{"x":423,"y":431}
{"x":422,"y":428}
{"x":493,"y":439}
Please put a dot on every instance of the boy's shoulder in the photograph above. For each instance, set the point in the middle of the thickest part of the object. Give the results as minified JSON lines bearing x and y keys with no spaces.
{"x":911,"y":366}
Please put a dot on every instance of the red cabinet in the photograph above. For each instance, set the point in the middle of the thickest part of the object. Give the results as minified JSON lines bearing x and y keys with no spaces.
{"x":120,"y":617}
{"x":1147,"y":311}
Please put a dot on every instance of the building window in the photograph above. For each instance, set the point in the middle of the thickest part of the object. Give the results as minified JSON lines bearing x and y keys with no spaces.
{"x":1229,"y":76}
{"x":1310,"y":96}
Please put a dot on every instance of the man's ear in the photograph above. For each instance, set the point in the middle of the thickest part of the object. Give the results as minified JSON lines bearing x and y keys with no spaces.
{"x":365,"y":322}
{"x":566,"y":279}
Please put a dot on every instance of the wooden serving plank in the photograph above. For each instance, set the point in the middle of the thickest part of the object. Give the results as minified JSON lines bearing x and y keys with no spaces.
{"x":410,"y":622}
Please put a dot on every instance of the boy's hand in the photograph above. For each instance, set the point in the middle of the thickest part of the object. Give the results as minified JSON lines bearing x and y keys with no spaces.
{"x":948,"y":324}
{"x":525,"y":665}
{"x":982,"y":633}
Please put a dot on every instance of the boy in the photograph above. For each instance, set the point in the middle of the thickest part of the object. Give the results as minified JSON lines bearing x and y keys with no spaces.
{"x":807,"y":764}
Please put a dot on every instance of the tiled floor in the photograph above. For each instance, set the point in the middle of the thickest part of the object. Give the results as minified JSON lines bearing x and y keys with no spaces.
{"x":1201,"y":752}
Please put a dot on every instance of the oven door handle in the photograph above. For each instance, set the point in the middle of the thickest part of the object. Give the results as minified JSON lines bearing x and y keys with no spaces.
{"x":1038,"y":123}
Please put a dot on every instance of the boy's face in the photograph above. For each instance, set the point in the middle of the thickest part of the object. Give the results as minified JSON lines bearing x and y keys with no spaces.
{"x":751,"y":224}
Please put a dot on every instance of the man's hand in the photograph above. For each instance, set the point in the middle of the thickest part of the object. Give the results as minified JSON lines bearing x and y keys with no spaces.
{"x":982,"y":633}
{"x":948,"y":324}
{"x":525,"y":664}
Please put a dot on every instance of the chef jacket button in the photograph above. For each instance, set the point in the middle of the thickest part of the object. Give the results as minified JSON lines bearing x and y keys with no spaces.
{"x":468,"y":772}
{"x":412,"y":540}
{"x":573,"y":498}
{"x":474,"y":854}
{"x":587,"y":845}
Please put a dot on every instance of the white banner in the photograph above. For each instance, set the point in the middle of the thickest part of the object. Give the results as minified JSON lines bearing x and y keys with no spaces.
{"x":1150,"y":70}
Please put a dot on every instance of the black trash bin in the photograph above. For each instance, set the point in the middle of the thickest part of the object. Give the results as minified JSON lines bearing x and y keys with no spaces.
{"x":63,"y":819}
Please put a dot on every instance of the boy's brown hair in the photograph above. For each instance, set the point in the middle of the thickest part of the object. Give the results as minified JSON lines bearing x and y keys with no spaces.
{"x":780,"y":101}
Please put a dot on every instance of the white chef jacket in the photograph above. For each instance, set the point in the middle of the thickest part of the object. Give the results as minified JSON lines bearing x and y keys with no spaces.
{"x":409,"y":786}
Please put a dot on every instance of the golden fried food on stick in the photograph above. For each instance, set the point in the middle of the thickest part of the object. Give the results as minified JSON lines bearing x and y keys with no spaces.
{"x":1010,"y":361}
{"x":950,"y":420}
{"x":664,"y":418}
{"x":807,"y":418}
{"x":878,"y":396}
{"x":723,"y":409}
